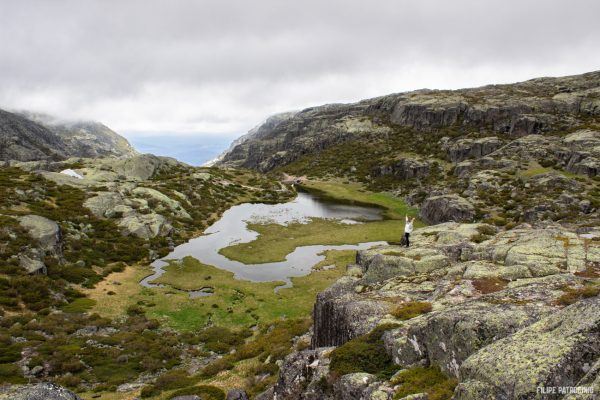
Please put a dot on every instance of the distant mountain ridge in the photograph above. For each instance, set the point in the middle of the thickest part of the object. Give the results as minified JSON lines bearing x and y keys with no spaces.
{"x":266,"y":125}
{"x":538,"y":106}
{"x":27,"y":136}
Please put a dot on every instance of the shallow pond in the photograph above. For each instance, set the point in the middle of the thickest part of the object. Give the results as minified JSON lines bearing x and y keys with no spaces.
{"x":232,"y":229}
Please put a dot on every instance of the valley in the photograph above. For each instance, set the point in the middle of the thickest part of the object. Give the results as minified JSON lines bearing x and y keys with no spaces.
{"x":128,"y":275}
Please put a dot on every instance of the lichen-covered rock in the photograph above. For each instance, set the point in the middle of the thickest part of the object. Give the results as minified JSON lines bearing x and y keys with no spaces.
{"x":145,"y":226}
{"x":446,"y":208}
{"x":481,"y":294}
{"x":404,"y":169}
{"x":39,"y":391}
{"x":103,"y":204}
{"x":463,"y":149}
{"x":301,"y":375}
{"x":173,"y":205}
{"x":446,"y":338}
{"x":381,"y":264}
{"x":352,"y":386}
{"x":556,"y":351}
{"x":341,"y":314}
{"x":543,"y":251}
{"x":482,"y":269}
{"x":583,"y":156}
{"x":237,"y":394}
{"x":43,"y":230}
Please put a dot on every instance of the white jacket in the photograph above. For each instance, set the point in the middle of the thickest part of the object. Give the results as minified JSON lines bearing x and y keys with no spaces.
{"x":408,"y":227}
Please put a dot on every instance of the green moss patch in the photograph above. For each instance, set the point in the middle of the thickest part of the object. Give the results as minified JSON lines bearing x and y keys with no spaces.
{"x":411,"y":309}
{"x":429,"y":380}
{"x":364,"y":354}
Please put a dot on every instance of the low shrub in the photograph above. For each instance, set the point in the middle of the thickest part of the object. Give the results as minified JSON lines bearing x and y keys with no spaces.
{"x":411,"y":309}
{"x":79,"y":305}
{"x":364,"y":354}
{"x":429,"y":380}
{"x":222,"y":340}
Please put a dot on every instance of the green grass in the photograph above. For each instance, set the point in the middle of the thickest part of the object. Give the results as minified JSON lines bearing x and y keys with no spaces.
{"x":354,"y":193}
{"x":275,"y":241}
{"x":79,"y":305}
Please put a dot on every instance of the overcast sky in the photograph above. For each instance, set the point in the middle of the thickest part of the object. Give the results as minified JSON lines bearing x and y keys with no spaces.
{"x":220,"y":67}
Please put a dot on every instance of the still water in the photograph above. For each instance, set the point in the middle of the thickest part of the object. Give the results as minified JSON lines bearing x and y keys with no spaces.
{"x":232,"y":229}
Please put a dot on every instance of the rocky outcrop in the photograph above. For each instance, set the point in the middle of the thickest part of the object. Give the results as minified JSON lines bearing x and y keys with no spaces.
{"x":341,"y":315}
{"x":446,"y":208}
{"x":43,"y":230}
{"x":463,"y":149}
{"x":301,"y":375}
{"x":405,"y":168}
{"x":497,"y":321}
{"x":557,"y":351}
{"x":145,"y":226}
{"x":448,"y":337}
{"x":582,"y":153}
{"x":40,"y":391}
{"x":104,"y":204}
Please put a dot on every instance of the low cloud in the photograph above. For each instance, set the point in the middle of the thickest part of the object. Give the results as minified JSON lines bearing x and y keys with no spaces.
{"x":220,"y":67}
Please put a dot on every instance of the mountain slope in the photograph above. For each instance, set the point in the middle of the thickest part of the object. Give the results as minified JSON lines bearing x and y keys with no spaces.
{"x":85,"y":138}
{"x":24,"y":140}
{"x":505,"y":154}
{"x":540,"y":106}
{"x":29,"y":136}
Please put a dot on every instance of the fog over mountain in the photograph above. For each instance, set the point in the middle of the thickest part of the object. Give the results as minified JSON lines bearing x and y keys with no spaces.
{"x":213,"y":68}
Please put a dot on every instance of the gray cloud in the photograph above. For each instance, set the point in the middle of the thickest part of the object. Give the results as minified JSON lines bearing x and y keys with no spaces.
{"x":222,"y":66}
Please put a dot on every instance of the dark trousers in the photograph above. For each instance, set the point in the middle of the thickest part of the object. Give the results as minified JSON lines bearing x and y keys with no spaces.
{"x":406,"y":235}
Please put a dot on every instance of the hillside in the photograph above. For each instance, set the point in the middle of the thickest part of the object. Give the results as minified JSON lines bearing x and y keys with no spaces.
{"x":496,"y":297}
{"x":29,"y":136}
{"x":507,"y":154}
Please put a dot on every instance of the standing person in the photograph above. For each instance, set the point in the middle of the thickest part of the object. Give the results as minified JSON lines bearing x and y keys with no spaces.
{"x":408,"y":228}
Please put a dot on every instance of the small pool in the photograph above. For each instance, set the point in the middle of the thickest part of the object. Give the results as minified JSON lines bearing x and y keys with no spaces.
{"x":231,"y":228}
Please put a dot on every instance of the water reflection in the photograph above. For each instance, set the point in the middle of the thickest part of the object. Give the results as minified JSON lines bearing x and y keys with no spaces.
{"x":232,"y":229}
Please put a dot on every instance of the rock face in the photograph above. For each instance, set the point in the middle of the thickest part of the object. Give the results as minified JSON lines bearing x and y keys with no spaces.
{"x":557,"y":351}
{"x":340,"y":315}
{"x":405,"y":168}
{"x":446,"y":208}
{"x":468,"y":148}
{"x":28,"y":136}
{"x":300,"y":375}
{"x":497,"y":323}
{"x":40,"y":391}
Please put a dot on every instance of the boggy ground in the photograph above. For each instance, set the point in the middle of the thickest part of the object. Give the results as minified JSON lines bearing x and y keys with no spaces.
{"x":276,"y":241}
